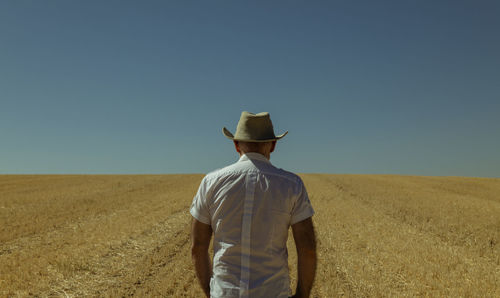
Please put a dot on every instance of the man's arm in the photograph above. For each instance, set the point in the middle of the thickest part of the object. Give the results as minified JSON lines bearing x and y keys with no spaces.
{"x":305,"y":242}
{"x":200,"y":235}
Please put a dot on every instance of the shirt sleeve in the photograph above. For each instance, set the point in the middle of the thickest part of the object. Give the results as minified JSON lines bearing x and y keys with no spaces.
{"x":199,"y":208}
{"x":302,"y":208}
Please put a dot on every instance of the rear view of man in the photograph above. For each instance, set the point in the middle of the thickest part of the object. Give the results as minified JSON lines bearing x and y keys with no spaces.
{"x":249,"y":207}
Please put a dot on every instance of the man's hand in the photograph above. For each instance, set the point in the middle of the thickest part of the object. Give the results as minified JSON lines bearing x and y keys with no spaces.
{"x":305,"y":242}
{"x":200,"y":235}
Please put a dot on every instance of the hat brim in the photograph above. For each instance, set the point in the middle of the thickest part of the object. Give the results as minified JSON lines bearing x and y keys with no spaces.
{"x":230,"y":136}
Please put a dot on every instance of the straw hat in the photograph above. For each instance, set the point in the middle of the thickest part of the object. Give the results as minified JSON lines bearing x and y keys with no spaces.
{"x":253,"y":128}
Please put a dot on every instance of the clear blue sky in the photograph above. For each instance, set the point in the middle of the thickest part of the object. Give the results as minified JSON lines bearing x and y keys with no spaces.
{"x":392,"y":87}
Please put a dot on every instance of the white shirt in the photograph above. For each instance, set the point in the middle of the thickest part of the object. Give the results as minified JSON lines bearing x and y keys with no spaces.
{"x":250,"y":206}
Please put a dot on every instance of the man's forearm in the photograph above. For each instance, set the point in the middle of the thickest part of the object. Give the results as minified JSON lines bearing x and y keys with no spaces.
{"x":306,"y":271}
{"x":203,"y":269}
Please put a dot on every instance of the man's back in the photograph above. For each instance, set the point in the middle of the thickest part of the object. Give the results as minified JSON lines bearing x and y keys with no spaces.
{"x":250,"y":206}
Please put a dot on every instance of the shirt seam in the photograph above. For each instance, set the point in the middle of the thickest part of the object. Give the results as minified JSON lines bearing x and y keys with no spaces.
{"x":227,"y":173}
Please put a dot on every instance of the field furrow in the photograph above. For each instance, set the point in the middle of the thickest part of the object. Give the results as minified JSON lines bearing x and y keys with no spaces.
{"x":128,"y":235}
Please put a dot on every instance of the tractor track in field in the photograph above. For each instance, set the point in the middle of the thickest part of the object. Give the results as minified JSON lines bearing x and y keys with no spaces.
{"x":121,"y":269}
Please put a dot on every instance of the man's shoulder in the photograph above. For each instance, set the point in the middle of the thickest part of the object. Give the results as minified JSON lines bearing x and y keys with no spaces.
{"x":292,"y":177}
{"x":225,"y":171}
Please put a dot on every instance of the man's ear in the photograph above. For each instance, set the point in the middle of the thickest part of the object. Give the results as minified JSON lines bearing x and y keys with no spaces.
{"x":237,"y":147}
{"x":273,"y":146}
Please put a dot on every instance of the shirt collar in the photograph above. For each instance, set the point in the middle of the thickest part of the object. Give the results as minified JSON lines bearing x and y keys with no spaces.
{"x":253,"y":156}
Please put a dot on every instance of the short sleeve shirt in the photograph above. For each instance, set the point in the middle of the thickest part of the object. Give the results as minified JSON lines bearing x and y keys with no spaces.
{"x":250,"y":206}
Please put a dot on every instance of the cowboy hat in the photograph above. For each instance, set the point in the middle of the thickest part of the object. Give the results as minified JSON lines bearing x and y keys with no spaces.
{"x":253,"y":128}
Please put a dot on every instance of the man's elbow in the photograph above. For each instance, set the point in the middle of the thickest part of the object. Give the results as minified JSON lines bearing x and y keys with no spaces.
{"x":198,"y":250}
{"x":307,"y":248}
{"x":308,"y":252}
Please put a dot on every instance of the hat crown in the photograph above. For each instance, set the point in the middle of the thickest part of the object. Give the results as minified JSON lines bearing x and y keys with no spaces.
{"x":253,"y":128}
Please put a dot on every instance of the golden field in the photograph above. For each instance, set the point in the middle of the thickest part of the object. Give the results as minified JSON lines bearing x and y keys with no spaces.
{"x":128,"y":235}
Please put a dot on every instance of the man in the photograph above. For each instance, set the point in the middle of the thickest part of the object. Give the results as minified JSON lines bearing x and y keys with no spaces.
{"x":249,"y":207}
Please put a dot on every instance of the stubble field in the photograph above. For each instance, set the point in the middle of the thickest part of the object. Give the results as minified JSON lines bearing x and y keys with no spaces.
{"x":128,"y":235}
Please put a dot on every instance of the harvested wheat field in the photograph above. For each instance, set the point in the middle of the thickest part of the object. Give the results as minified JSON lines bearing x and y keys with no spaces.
{"x":128,"y":235}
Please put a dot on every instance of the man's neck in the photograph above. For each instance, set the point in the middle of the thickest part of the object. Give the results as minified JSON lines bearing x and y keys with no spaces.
{"x":268,"y":155}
